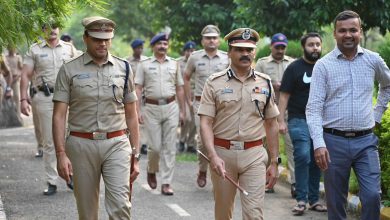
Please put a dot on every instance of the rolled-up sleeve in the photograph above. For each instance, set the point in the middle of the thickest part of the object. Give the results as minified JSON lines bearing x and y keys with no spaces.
{"x":62,"y":87}
{"x":207,"y":103}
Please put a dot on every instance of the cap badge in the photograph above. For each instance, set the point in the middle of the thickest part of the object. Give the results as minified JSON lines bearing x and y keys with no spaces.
{"x":246,"y":35}
{"x":104,"y":27}
{"x":280,"y":37}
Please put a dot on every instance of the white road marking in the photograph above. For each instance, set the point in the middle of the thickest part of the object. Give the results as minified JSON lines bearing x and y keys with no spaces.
{"x":153,"y":191}
{"x":2,"y":213}
{"x":179,"y":210}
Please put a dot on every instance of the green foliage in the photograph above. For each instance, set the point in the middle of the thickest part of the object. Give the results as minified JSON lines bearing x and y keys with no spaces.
{"x":296,"y":17}
{"x":384,"y":153}
{"x":353,"y":183}
{"x":188,"y":157}
{"x":22,"y":20}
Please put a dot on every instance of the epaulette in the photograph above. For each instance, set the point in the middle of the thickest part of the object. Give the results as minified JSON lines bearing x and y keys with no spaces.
{"x":197,"y":51}
{"x":119,"y":58}
{"x":147,"y":58}
{"x":263,"y":75}
{"x":263,"y":58}
{"x":216,"y":75}
{"x":73,"y":58}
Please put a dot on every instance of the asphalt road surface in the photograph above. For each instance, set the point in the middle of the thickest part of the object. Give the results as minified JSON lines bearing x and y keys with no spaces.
{"x":22,"y":182}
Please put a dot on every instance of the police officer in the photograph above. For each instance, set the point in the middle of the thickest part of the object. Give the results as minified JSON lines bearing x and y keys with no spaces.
{"x":102,"y":106}
{"x":237,"y":110}
{"x":202,"y":64}
{"x":160,"y":79}
{"x":188,"y":129}
{"x":5,"y":88}
{"x":138,"y":47}
{"x":41,"y":65}
{"x":274,"y":65}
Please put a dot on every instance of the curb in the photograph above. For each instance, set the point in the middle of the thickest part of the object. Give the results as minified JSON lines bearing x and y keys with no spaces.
{"x":353,"y":205}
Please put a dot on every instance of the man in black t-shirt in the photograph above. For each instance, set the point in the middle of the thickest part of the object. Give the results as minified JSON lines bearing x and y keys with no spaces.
{"x":294,"y":93}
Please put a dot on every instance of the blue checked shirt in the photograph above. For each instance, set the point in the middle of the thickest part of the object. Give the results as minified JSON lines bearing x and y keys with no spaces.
{"x":341,"y":93}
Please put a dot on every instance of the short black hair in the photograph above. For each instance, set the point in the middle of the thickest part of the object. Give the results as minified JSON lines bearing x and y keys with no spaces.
{"x":345,"y":15}
{"x":310,"y":34}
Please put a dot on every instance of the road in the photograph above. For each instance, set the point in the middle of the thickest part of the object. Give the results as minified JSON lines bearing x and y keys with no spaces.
{"x":22,"y":182}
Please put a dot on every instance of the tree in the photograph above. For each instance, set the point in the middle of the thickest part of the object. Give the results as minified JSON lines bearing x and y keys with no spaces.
{"x":187,"y":18}
{"x":21,"y":20}
{"x":294,"y":17}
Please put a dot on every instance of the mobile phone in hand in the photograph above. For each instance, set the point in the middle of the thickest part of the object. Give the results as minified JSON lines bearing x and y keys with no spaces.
{"x":70,"y":183}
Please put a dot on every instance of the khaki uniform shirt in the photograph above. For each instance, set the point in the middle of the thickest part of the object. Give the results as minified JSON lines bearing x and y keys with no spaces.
{"x":15,"y":64}
{"x":232,"y":105}
{"x":275,"y":69}
{"x":46,"y":61}
{"x":95,"y":94}
{"x":159,"y":80}
{"x":203,"y":66}
{"x":182,"y":63}
{"x":134,"y":62}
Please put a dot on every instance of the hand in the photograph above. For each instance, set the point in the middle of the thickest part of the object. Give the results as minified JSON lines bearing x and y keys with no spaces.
{"x":322,"y":158}
{"x":135,"y":173}
{"x":283,"y":127}
{"x":271,"y":175}
{"x":8,"y":94}
{"x":182,"y":116}
{"x":218,"y":165}
{"x":140,"y":118}
{"x":25,"y":108}
{"x":64,"y":166}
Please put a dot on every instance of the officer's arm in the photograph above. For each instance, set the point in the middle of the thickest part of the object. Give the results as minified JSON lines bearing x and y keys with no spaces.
{"x":272,"y":130}
{"x":59,"y":120}
{"x":26,"y":75}
{"x":206,"y":131}
{"x":187,"y":85}
{"x":283,"y":100}
{"x":138,"y":90}
{"x":132,"y":125}
{"x":180,"y":98}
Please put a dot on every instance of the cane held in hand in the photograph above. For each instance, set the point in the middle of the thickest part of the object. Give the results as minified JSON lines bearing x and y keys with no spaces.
{"x":227,"y":177}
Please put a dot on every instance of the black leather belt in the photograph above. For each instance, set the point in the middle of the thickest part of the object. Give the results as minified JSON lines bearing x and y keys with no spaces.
{"x":42,"y":89}
{"x":348,"y":134}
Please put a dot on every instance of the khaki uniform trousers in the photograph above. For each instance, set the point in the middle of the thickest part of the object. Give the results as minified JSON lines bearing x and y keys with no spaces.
{"x":161,"y":122}
{"x":44,"y":112}
{"x":289,"y":148}
{"x":248,"y":168}
{"x":37,"y":127}
{"x":142,"y":129}
{"x":16,"y":96}
{"x":188,"y":130}
{"x":203,"y":164}
{"x":92,"y":159}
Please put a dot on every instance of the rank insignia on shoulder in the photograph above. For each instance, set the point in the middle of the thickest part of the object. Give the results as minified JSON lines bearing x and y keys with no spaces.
{"x":227,"y":90}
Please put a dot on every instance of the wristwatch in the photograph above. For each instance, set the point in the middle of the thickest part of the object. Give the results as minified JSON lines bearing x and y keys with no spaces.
{"x":137,"y":156}
{"x":276,"y":160}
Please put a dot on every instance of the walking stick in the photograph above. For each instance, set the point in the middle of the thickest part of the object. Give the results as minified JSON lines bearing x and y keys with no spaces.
{"x":227,"y":177}
{"x":131,"y":171}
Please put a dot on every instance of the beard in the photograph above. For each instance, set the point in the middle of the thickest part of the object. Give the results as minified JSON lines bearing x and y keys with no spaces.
{"x":313,"y":57}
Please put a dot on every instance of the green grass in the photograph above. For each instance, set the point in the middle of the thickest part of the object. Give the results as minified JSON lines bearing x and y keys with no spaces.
{"x":186,"y":157}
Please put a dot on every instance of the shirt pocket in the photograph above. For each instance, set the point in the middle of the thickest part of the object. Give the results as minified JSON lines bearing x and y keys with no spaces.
{"x":83,"y":88}
{"x":228,"y":102}
{"x":117,"y":85}
{"x":258,"y":101}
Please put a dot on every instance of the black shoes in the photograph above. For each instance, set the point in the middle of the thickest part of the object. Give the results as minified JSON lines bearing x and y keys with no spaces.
{"x":181,"y":147}
{"x":191,"y":149}
{"x":293,"y":193}
{"x":39,"y":154}
{"x":51,"y":190}
{"x":144,"y":149}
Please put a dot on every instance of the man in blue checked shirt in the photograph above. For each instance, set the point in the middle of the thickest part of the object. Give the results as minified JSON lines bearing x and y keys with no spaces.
{"x":341,"y":119}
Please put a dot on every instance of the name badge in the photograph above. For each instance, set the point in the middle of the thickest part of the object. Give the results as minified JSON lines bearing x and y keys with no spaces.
{"x":227,"y":90}
{"x":265,"y":91}
{"x":83,"y":76}
{"x":43,"y":55}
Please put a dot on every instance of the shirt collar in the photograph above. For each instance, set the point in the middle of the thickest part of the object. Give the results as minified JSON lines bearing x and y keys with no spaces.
{"x":218,"y":54}
{"x":45,"y":44}
{"x":339,"y":54}
{"x":154,"y":59}
{"x":88,"y":59}
{"x":230,"y":74}
{"x":271,"y":59}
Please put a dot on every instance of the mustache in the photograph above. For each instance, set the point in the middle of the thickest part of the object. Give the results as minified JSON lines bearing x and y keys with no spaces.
{"x":162,"y":49}
{"x":245,"y":58}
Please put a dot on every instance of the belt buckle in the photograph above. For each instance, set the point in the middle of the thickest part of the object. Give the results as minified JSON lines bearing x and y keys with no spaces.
{"x":99,"y":135}
{"x":162,"y":102}
{"x":350,"y":134}
{"x":237,"y":145}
